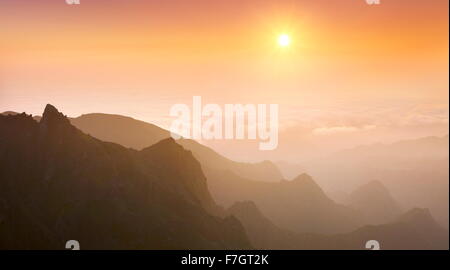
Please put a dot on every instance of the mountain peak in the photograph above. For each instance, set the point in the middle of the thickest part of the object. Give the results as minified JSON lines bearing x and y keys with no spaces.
{"x":50,"y":109}
{"x":52,"y":115}
{"x":52,"y":119}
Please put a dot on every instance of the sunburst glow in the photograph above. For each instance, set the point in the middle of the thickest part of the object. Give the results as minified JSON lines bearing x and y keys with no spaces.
{"x":284,"y":40}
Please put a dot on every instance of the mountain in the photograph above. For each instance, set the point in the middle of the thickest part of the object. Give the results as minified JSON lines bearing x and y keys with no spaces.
{"x":262,"y":171}
{"x":230,"y":181}
{"x":123,"y":130}
{"x":411,"y":170}
{"x":403,"y":234}
{"x":59,"y":184}
{"x":375,"y":202}
{"x":299,"y":205}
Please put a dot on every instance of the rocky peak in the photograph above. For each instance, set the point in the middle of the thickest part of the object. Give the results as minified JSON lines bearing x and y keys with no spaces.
{"x":51,"y":115}
{"x":53,"y":120}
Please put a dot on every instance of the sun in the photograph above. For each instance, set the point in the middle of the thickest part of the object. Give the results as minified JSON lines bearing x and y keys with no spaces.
{"x":284,"y":40}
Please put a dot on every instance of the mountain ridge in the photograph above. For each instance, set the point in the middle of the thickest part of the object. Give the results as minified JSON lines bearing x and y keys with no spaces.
{"x":58,"y":183}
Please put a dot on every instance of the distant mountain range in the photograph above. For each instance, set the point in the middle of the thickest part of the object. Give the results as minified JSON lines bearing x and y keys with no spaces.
{"x":231,"y":181}
{"x":416,"y":172}
{"x":62,"y":184}
{"x":415,"y":229}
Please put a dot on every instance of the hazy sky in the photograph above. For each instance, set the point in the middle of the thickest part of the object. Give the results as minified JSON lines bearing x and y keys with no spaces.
{"x":353,"y":74}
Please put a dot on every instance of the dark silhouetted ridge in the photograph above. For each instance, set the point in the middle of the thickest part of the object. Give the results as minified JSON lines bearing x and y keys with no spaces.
{"x":57,"y":184}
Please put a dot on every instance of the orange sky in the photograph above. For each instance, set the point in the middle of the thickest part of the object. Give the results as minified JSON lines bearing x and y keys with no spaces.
{"x":350,"y":65}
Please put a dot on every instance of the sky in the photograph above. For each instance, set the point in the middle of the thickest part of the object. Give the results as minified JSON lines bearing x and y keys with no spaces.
{"x":353,"y":74}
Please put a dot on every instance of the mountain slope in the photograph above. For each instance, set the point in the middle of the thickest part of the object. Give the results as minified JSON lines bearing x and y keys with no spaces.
{"x":58,"y":184}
